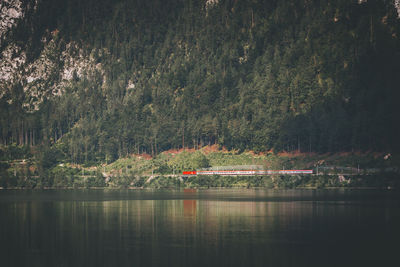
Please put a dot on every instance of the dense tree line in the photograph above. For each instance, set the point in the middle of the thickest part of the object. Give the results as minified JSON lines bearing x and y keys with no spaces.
{"x":284,"y":74}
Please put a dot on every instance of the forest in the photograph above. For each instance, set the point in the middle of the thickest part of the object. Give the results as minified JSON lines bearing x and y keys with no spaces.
{"x":261,"y":75}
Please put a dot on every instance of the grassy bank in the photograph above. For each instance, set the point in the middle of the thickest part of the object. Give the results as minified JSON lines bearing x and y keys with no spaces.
{"x":23,"y":169}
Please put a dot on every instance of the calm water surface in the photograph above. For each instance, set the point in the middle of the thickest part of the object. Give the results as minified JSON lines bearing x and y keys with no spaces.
{"x":199,"y":228}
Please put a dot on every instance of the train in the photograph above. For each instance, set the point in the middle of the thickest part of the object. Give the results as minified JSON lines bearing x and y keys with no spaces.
{"x":244,"y":172}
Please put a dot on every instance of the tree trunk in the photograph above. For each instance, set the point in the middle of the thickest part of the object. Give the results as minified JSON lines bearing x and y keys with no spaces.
{"x":183,"y":138}
{"x":30,"y":138}
{"x":21,"y":134}
{"x":155,"y":144}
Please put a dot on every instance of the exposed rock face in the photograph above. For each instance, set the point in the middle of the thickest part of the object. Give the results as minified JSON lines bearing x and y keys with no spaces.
{"x":51,"y":72}
{"x":12,"y":60}
{"x":10,"y":12}
{"x":46,"y":76}
{"x":211,"y":3}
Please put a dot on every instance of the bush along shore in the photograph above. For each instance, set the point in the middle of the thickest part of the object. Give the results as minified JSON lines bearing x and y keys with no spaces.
{"x":386,"y":181}
{"x":24,"y":168}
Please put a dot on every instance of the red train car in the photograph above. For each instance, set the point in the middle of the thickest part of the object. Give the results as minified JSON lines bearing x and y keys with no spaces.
{"x":189,"y":173}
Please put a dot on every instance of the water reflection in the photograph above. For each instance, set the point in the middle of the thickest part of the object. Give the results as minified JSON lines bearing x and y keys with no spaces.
{"x":198,"y":228}
{"x":189,"y":205}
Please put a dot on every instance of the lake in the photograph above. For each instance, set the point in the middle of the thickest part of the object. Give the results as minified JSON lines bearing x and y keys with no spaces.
{"x":199,"y":227}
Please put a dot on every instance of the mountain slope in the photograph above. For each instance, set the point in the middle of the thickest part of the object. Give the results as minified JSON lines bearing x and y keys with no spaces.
{"x":108,"y":78}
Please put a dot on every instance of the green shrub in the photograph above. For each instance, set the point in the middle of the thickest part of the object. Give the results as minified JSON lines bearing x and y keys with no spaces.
{"x":188,"y":161}
{"x":94,"y":181}
{"x":13,"y":151}
{"x":164,"y":182}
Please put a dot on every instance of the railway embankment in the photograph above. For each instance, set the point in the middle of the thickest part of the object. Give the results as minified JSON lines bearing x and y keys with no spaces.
{"x":330,"y":170}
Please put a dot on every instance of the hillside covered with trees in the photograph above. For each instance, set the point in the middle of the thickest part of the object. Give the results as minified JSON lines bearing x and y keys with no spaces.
{"x":94,"y":81}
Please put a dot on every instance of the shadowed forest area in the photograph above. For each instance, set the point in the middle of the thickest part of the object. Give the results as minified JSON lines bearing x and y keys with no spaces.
{"x":276,"y":75}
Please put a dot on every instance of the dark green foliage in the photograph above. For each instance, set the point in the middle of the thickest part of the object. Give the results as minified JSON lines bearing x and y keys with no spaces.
{"x":124,"y":181}
{"x":163,"y":169}
{"x":278,"y":74}
{"x":4,"y":178}
{"x":139,"y":181}
{"x":4,"y":166}
{"x":205,"y":181}
{"x":95,"y":181}
{"x":163,"y":182}
{"x":63,"y":177}
{"x":382,"y":180}
{"x":287,"y":181}
{"x":390,"y":180}
{"x":188,"y":161}
{"x":13,"y":152}
{"x":47,"y":157}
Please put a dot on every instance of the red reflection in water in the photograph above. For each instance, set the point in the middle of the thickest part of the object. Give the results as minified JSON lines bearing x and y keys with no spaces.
{"x":189,"y":205}
{"x":189,"y":190}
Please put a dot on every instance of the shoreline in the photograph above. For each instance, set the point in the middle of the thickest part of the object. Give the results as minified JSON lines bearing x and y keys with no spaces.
{"x":201,"y":188}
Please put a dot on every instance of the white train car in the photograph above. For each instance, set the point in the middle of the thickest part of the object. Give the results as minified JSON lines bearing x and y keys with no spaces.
{"x":245,"y":172}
